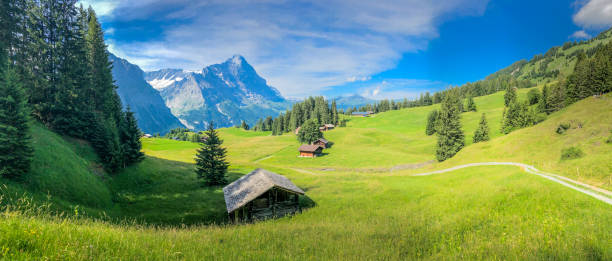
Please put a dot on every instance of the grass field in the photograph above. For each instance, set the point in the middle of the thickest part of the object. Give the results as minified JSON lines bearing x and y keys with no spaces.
{"x":361,"y":210}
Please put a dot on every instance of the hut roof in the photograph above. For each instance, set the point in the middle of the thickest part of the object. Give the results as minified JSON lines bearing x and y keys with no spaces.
{"x":322,"y":140}
{"x":309,"y":148}
{"x":253,"y":185}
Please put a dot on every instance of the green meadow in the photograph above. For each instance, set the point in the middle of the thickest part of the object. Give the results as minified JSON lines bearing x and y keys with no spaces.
{"x":362,"y":201}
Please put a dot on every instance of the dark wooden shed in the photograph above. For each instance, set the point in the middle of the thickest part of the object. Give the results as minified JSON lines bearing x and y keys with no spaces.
{"x":310,"y":151}
{"x":260,"y":195}
{"x":321,"y":142}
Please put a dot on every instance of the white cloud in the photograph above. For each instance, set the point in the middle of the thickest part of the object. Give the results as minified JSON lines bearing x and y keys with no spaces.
{"x":302,"y":48}
{"x":399,"y":88}
{"x":102,"y":7}
{"x":581,"y":34}
{"x":594,"y":14}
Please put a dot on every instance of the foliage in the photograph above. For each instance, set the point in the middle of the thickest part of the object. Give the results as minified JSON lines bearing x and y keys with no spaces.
{"x":15,"y":141}
{"x":211,"y":165}
{"x":563,"y":127}
{"x":533,"y":96}
{"x":517,"y":115}
{"x":482,"y":133}
{"x":571,"y":153}
{"x":244,"y":125}
{"x":315,"y":108}
{"x":470,"y":105}
{"x":430,"y":129}
{"x":130,"y":139}
{"x":309,"y":132}
{"x":509,"y":96}
{"x":450,"y":135}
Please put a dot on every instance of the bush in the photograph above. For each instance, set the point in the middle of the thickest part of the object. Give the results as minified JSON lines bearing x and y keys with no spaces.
{"x":563,"y":127}
{"x":571,"y":153}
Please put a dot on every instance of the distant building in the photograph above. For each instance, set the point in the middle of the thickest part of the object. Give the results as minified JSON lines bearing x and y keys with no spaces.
{"x":147,"y":136}
{"x":321,"y":142}
{"x":362,"y":113}
{"x":327,"y":127}
{"x":310,"y":151}
{"x":260,"y":195}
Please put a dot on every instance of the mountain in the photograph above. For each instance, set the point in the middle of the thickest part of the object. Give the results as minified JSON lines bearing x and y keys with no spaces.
{"x":224,"y":93}
{"x":355,"y":100}
{"x":148,"y":106}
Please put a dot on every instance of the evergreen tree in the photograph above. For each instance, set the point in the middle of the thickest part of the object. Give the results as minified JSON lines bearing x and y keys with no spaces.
{"x":450,"y":135}
{"x":211,"y":165}
{"x":517,"y":116}
{"x":309,"y":132}
{"x":15,"y":142}
{"x":471,"y":106}
{"x":482,"y":133}
{"x":509,"y":96}
{"x":431,"y":122}
{"x":244,"y":125}
{"x":130,"y":139}
{"x":334,"y":111}
{"x":542,"y":102}
{"x":533,"y":96}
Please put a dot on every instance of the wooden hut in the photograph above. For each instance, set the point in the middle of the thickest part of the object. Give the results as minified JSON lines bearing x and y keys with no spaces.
{"x":362,"y":113}
{"x":260,"y":195}
{"x":310,"y":151}
{"x":328,"y":126}
{"x":321,"y":142}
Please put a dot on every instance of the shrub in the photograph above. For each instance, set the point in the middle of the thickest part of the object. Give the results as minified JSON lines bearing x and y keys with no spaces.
{"x":571,"y":153}
{"x":563,"y":127}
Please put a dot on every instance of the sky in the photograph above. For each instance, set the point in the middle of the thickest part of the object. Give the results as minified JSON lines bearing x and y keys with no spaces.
{"x":378,"y":49}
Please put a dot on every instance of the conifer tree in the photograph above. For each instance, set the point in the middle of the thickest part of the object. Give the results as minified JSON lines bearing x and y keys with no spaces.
{"x":431,"y":122}
{"x":309,"y":132}
{"x":450,"y":135}
{"x":471,"y":106}
{"x":334,"y":111}
{"x":542,"y":102}
{"x":244,"y":125}
{"x":509,"y":96}
{"x":211,"y":166}
{"x":130,"y":139}
{"x":15,"y":142}
{"x":482,"y":133}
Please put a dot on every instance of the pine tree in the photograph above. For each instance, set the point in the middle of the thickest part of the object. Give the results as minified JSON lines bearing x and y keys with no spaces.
{"x":130,"y":139}
{"x":482,"y":133}
{"x":211,"y":165}
{"x":309,"y":132}
{"x":509,"y":96}
{"x":471,"y":106}
{"x":542,"y":102}
{"x":431,"y":122}
{"x":450,"y":135}
{"x":334,"y":111}
{"x":15,"y":142}
{"x":244,"y":125}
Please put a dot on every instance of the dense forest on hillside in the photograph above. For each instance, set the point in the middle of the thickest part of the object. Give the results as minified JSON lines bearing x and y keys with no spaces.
{"x":56,"y":52}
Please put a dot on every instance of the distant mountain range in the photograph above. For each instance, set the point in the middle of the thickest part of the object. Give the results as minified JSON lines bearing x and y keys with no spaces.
{"x":223,"y":93}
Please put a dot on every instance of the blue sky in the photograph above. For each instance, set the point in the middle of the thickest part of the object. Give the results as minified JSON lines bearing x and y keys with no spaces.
{"x":378,"y":49}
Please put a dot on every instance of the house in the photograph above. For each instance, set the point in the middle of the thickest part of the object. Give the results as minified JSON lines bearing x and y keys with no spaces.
{"x":310,"y":151}
{"x":203,"y":139}
{"x":362,"y":113}
{"x":327,"y":127}
{"x":321,"y":142}
{"x":148,"y":136}
{"x":297,"y":131}
{"x":260,"y":195}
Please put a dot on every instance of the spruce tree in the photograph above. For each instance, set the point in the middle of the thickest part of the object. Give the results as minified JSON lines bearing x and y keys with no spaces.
{"x":211,"y":166}
{"x":510,"y":95}
{"x":309,"y":132}
{"x":471,"y":106}
{"x":130,"y":139}
{"x":542,"y":101}
{"x":244,"y":125}
{"x":450,"y":135}
{"x":482,"y":133}
{"x":15,"y":142}
{"x":431,"y":122}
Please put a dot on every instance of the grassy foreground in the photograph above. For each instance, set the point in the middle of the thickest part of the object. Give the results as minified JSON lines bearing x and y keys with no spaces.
{"x":485,"y":212}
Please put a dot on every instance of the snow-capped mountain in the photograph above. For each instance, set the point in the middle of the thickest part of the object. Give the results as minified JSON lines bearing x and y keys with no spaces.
{"x":148,"y":106}
{"x":224,"y":93}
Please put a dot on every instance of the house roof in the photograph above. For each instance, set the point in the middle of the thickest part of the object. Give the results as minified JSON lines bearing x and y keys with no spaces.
{"x":309,"y":148}
{"x":361,"y":113}
{"x":322,"y":140}
{"x":253,"y":185}
{"x":329,"y":125}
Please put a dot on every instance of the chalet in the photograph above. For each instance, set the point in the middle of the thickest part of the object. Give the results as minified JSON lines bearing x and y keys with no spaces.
{"x":321,"y":142}
{"x":148,"y":136}
{"x":326,"y":127}
{"x":310,"y":151}
{"x":362,"y":113}
{"x":260,"y":195}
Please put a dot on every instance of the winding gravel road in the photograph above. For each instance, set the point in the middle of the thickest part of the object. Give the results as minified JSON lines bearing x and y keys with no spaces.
{"x":598,"y":193}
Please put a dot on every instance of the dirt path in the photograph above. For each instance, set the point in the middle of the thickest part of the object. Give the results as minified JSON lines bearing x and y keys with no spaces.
{"x":592,"y":191}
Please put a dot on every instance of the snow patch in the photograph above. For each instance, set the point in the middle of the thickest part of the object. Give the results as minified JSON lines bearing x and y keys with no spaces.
{"x":160,"y":84}
{"x":186,"y":123}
